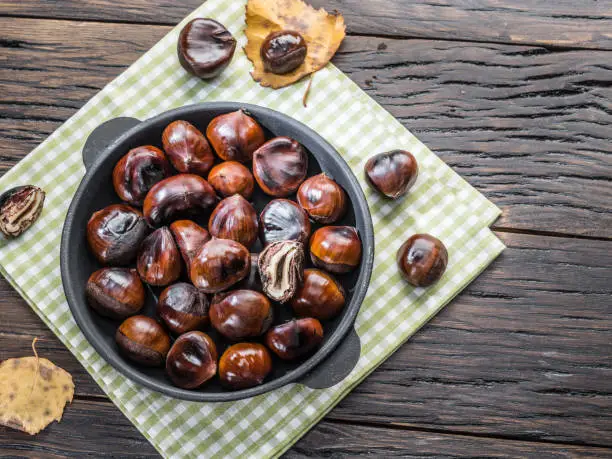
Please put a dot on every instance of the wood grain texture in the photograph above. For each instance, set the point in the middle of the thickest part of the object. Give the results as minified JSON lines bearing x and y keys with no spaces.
{"x":566,"y":23}
{"x":528,"y":127}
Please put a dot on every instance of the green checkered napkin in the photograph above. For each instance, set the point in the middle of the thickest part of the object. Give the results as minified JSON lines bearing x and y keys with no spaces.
{"x":442,"y":204}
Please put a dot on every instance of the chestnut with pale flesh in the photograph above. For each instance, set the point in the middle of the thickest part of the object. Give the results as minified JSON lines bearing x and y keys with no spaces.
{"x":281,"y":267}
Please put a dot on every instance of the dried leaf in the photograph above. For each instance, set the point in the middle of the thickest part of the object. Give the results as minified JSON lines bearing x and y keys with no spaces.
{"x":322,"y":31}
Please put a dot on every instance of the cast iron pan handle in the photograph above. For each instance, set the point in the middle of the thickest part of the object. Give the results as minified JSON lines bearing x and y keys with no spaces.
{"x":105,"y":134}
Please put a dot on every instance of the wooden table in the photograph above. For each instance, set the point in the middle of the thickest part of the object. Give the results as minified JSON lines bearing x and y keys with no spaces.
{"x":516,"y":95}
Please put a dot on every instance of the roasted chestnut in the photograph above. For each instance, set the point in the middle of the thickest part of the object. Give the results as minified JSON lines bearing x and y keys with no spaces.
{"x":320,"y":296}
{"x":392,"y":173}
{"x":183,"y":194}
{"x":159,"y":261}
{"x":235,"y":136}
{"x":183,"y":308}
{"x":244,"y":365}
{"x":220,"y":264}
{"x":235,"y":218}
{"x":281,"y":267}
{"x":205,"y":48}
{"x":280,"y":166}
{"x":190,"y":237}
{"x":283,"y":51}
{"x":322,"y":199}
{"x":422,"y":259}
{"x":230,"y":178}
{"x":192,"y":360}
{"x":115,"y":292}
{"x":240,"y":314}
{"x":283,"y":220}
{"x":187,"y":148}
{"x":336,"y":249}
{"x":295,"y":339}
{"x":140,"y":169}
{"x":143,"y":340}
{"x":20,"y":207}
{"x":253,"y":280}
{"x":115,"y":233}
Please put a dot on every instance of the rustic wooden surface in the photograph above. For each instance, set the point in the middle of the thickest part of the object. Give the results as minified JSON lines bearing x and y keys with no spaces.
{"x":515,"y":95}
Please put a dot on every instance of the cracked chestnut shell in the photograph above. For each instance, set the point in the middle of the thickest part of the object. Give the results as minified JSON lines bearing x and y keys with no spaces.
{"x":281,"y":267}
{"x":392,"y":173}
{"x":205,"y":48}
{"x":183,"y":308}
{"x":136,"y":173}
{"x":115,"y":233}
{"x":283,"y":220}
{"x":422,"y":259}
{"x":295,"y":339}
{"x":159,"y":261}
{"x":235,"y":136}
{"x":219,"y":264}
{"x":244,"y":365}
{"x":190,"y":237}
{"x":283,"y":51}
{"x":20,"y":207}
{"x":235,"y":218}
{"x":143,"y":340}
{"x":241,"y":314}
{"x":230,"y":177}
{"x":192,"y":360}
{"x":180,"y":195}
{"x":115,"y":292}
{"x":322,"y":199}
{"x":320,"y":296}
{"x":187,"y":148}
{"x":336,"y":249}
{"x":279,"y":166}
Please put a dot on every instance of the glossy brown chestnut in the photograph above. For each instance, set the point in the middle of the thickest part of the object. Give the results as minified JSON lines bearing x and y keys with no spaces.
{"x":336,"y":249}
{"x":253,"y":280}
{"x":136,"y":173}
{"x":235,"y":136}
{"x":241,"y":314}
{"x":283,"y":51}
{"x":115,"y":233}
{"x":115,"y":292}
{"x":183,"y":308}
{"x":295,"y":339}
{"x":235,"y":218}
{"x":281,"y":267}
{"x":230,"y":178}
{"x":192,"y":360}
{"x":283,"y":220}
{"x":183,"y":194}
{"x":392,"y":173}
{"x":190,"y":237}
{"x":187,"y":148}
{"x":322,"y":199}
{"x":143,"y":340}
{"x":159,"y":260}
{"x":320,"y":296}
{"x":220,"y":264}
{"x":205,"y":48}
{"x":280,"y":166}
{"x":422,"y":259}
{"x":244,"y":365}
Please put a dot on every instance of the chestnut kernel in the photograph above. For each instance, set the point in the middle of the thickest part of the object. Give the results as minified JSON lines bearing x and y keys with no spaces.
{"x":280,"y":166}
{"x":336,"y":249}
{"x":230,"y":178}
{"x":392,"y":173}
{"x":241,"y":314}
{"x":205,"y":48}
{"x":235,"y":218}
{"x":283,"y":220}
{"x":183,"y":308}
{"x":244,"y":365}
{"x":115,"y":292}
{"x":115,"y":233}
{"x":192,"y":360}
{"x":295,"y":339}
{"x":20,"y":207}
{"x":187,"y":148}
{"x":422,"y":259}
{"x":219,"y":264}
{"x":143,"y":340}
{"x":159,"y":261}
{"x":235,"y":136}
{"x":190,"y":237}
{"x":283,"y":51}
{"x":322,"y":199}
{"x":253,"y":280}
{"x":281,"y":267}
{"x":320,"y":296}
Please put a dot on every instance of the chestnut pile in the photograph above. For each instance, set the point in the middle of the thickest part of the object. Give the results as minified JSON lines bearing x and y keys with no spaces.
{"x":185,"y":232}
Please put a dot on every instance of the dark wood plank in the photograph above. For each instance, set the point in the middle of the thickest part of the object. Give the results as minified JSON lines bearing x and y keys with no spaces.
{"x":563,"y":23}
{"x":526,"y":126}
